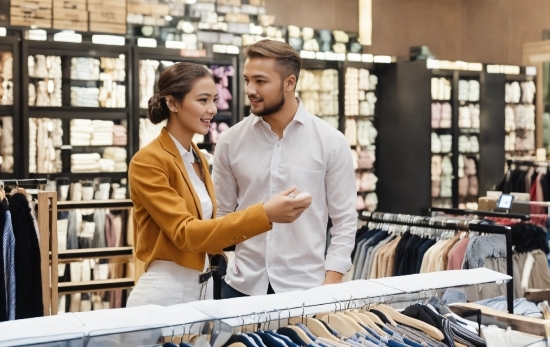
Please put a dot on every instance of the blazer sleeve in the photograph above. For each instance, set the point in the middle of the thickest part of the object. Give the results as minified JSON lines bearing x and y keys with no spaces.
{"x":150,"y":188}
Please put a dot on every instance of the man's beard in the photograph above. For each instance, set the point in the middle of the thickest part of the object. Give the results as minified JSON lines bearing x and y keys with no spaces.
{"x":274,"y":107}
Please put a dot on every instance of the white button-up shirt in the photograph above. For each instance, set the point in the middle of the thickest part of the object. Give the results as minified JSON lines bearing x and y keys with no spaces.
{"x":251,"y":164}
{"x":198,"y":184}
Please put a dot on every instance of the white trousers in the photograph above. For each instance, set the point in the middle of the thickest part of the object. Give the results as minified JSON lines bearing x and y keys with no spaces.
{"x":166,"y":283}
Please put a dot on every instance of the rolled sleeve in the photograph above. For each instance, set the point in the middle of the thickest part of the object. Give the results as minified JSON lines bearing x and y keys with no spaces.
{"x":341,"y":196}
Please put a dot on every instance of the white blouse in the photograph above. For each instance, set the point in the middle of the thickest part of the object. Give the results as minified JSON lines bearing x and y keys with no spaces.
{"x":198,"y":184}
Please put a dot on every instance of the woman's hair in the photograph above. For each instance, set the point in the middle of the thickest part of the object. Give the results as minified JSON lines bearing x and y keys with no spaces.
{"x":176,"y":81}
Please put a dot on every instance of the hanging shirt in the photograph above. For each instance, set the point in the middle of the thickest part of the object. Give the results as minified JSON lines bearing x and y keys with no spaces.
{"x":252,"y":164}
{"x":9,"y":265}
{"x":199,"y":186}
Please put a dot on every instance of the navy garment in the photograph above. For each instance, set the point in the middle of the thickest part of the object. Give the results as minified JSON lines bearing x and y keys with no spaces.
{"x":360,"y":236}
{"x":256,"y":339}
{"x":403,"y":264}
{"x":421,"y":252}
{"x":269,"y":341}
{"x":3,"y":298}
{"x":400,"y":251}
{"x":27,"y":260}
{"x":185,"y":344}
{"x":292,"y":335}
{"x":238,"y":338}
{"x":286,"y":339}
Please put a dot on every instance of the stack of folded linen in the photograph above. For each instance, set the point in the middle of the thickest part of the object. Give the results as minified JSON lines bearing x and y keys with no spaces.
{"x":85,"y":162}
{"x":102,"y":133}
{"x":118,"y":155}
{"x":120,"y":136}
{"x":81,"y":132}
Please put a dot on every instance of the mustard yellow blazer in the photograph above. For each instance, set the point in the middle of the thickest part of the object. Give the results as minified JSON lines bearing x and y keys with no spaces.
{"x":168,"y":221}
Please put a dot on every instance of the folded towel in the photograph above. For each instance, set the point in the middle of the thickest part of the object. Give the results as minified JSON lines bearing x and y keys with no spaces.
{"x":121,"y":167}
{"x":102,"y":123}
{"x":106,"y":165}
{"x":86,"y":156}
{"x":81,"y":122}
{"x":115,"y":153}
{"x":101,"y":142}
{"x":83,"y":129}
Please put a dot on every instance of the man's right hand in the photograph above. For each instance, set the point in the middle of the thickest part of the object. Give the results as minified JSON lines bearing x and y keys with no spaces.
{"x":282,"y":208}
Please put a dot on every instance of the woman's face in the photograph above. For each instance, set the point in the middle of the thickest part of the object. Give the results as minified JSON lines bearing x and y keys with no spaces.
{"x":198,"y":107}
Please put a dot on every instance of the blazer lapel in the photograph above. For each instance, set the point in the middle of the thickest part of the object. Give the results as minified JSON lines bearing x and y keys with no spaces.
{"x":207,"y":180}
{"x":170,"y":147}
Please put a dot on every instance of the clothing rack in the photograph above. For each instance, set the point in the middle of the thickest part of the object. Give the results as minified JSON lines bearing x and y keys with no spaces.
{"x":25,"y":182}
{"x":526,"y":162}
{"x":72,"y":255}
{"x":462,"y":212}
{"x":453,"y":224}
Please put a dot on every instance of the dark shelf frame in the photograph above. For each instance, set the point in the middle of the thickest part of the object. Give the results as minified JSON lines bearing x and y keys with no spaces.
{"x":12,"y":43}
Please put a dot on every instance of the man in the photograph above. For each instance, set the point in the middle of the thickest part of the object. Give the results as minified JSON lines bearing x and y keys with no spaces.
{"x":281,"y":144}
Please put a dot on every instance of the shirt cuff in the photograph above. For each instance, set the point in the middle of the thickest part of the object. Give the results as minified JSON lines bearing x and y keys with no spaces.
{"x":333,"y":263}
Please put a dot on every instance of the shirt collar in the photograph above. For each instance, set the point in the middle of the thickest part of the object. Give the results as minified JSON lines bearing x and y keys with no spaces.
{"x":300,"y":115}
{"x":185,"y":154}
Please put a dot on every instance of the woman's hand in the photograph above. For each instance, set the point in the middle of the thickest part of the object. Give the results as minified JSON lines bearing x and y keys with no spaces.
{"x":283,"y":208}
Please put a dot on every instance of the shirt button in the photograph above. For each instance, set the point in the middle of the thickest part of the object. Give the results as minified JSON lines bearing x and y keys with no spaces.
{"x":278,"y":145}
{"x":244,"y":237}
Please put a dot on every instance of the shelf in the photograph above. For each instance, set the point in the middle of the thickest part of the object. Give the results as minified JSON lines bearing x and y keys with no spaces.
{"x":70,"y":112}
{"x":92,"y":204}
{"x":441,"y":101}
{"x":468,"y":102}
{"x":92,"y":286}
{"x":6,"y":110}
{"x":80,"y":175}
{"x":443,"y":130}
{"x":70,"y":255}
{"x":469,"y":130}
{"x":87,"y":149}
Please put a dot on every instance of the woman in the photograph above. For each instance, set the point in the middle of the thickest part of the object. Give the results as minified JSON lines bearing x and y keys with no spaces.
{"x":173,"y":196}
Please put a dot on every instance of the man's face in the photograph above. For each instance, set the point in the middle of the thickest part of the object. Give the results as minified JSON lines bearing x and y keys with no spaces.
{"x":264,"y":86}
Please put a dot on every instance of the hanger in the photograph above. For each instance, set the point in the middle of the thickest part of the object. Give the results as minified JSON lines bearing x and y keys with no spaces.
{"x":342,"y":323}
{"x":297,"y":330}
{"x":415,"y":323}
{"x":366,"y":320}
{"x":315,"y":326}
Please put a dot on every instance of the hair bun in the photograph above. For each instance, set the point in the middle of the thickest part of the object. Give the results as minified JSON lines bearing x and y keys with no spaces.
{"x":157,"y":110}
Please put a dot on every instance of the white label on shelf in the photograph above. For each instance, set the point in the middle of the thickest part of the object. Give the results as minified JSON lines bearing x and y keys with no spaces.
{"x":112,"y":40}
{"x":3,"y":31}
{"x":367,"y":58}
{"x":146,"y":42}
{"x":382,"y":59}
{"x":475,"y":66}
{"x":354,"y":57}
{"x":37,"y":35}
{"x":175,"y":44}
{"x":307,"y":54}
{"x":531,"y":70}
{"x":432,"y":64}
{"x":67,"y":36}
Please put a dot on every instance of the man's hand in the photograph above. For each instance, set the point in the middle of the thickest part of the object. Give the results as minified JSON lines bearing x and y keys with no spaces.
{"x":333,"y":277}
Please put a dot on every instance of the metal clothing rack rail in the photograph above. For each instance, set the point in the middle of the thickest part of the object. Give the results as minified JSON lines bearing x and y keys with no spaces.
{"x":462,"y":212}
{"x":33,"y":182}
{"x":526,"y":162}
{"x":453,"y":224}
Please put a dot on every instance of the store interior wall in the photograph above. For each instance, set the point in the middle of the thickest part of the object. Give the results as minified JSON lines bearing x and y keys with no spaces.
{"x":487,"y":31}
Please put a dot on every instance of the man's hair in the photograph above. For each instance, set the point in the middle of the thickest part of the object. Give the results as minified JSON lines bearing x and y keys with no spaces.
{"x":286,"y":57}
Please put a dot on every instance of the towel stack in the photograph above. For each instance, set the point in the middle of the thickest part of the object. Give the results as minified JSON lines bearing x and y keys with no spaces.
{"x":118,"y":155}
{"x":45,"y":138}
{"x":81,"y":132}
{"x":7,"y":144}
{"x":85,"y":69}
{"x":102,"y":134}
{"x":441,"y":88}
{"x":84,"y":97}
{"x":148,"y":131}
{"x":85,"y":162}
{"x":120,"y":136}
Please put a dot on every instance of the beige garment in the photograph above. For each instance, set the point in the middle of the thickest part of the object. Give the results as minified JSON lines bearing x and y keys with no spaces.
{"x":376,"y":258}
{"x":432,"y":261}
{"x":424,"y":267}
{"x":383,"y":255}
{"x":489,"y":290}
{"x":539,"y":278}
{"x":443,"y":255}
{"x":389,"y":258}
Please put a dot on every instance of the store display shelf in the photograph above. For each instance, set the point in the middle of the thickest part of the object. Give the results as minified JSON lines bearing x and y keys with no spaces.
{"x":468,"y":102}
{"x":90,"y":286}
{"x":469,"y":130}
{"x":88,"y":148}
{"x":71,"y":255}
{"x":362,"y":116}
{"x":7,"y":175}
{"x":443,"y":153}
{"x":80,"y":175}
{"x":441,"y":100}
{"x":70,"y":112}
{"x":443,"y":130}
{"x":6,"y":110}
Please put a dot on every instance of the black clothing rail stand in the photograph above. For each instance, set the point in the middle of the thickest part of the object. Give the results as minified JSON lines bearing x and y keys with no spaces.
{"x":453,"y":224}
